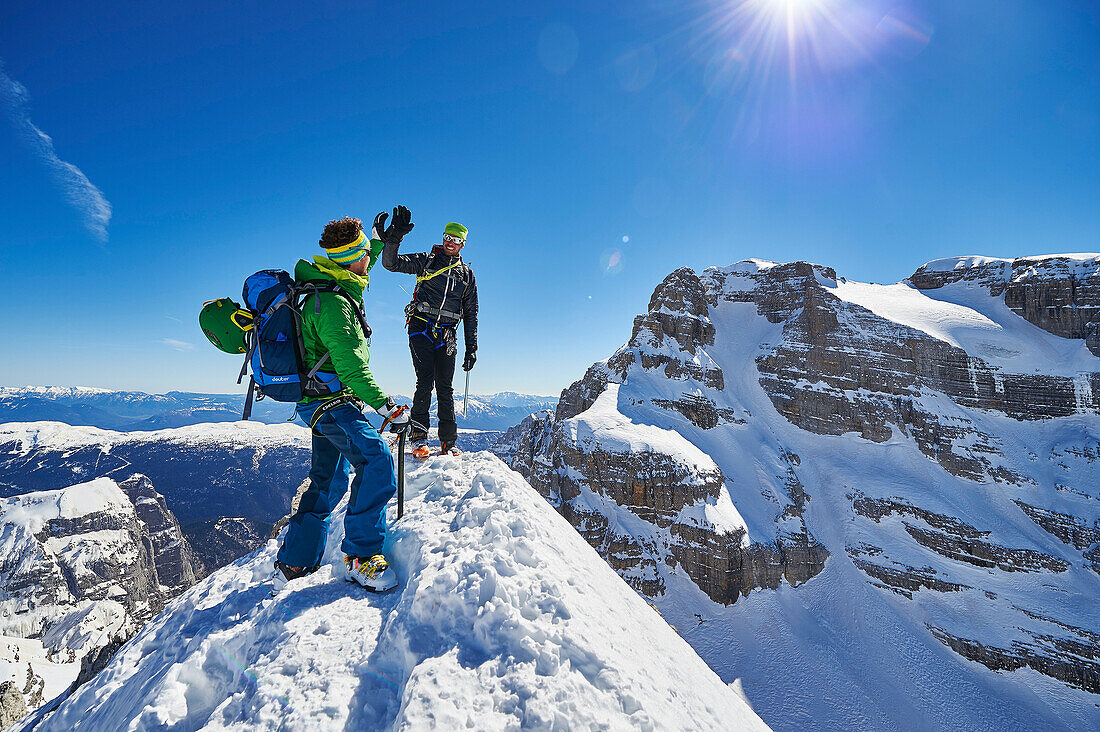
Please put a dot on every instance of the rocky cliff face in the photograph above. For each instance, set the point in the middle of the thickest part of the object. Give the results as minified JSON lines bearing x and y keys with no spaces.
{"x":775,"y":424}
{"x":82,"y":568}
{"x":177,"y":567}
{"x":685,"y":504}
{"x":843,"y":367}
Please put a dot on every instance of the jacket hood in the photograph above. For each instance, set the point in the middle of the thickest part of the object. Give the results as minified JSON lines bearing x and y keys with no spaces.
{"x":323,"y":268}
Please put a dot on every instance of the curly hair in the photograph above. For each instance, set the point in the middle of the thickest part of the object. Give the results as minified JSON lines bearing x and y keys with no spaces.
{"x":340,"y":231}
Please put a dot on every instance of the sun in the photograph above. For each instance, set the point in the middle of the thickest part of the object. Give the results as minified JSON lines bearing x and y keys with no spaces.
{"x":798,"y":36}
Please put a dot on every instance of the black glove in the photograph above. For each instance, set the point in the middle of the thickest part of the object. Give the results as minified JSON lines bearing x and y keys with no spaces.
{"x":468,"y":362}
{"x":393,"y":234}
{"x":402,"y":223}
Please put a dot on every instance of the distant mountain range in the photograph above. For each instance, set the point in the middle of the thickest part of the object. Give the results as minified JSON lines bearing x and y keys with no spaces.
{"x":134,"y":411}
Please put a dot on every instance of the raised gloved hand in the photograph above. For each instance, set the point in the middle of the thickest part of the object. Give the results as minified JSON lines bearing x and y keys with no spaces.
{"x":397,"y":416}
{"x":468,"y":362}
{"x":393,"y":234}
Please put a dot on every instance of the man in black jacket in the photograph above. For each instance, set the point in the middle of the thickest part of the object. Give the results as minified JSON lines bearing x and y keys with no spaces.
{"x":445,"y":294}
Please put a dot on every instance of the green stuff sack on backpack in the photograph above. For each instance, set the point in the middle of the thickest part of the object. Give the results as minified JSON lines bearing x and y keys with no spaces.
{"x":226,"y":324}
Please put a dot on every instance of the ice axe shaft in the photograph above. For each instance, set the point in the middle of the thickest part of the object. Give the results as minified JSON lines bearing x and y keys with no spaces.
{"x":466,"y":396}
{"x":401,"y":474}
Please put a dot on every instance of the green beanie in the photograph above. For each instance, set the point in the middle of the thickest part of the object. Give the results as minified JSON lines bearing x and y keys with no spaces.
{"x":456,"y":230}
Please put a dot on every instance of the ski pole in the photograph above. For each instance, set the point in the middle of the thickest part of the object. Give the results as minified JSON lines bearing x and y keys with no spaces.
{"x":401,"y":474}
{"x":466,"y":396}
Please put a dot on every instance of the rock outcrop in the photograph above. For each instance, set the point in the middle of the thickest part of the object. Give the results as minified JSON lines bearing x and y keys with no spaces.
{"x":177,"y":566}
{"x":12,"y":706}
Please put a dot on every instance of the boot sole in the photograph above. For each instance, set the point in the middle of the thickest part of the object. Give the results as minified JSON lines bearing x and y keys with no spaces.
{"x":368,"y":588}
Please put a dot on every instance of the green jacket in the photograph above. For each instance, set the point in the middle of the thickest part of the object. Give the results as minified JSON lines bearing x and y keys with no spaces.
{"x":336,"y":329}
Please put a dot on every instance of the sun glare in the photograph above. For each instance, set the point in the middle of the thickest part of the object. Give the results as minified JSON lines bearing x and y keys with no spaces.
{"x":809,"y":38}
{"x":789,"y":73}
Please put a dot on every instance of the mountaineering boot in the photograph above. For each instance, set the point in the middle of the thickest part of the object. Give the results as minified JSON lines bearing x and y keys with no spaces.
{"x":285,"y":573}
{"x":419,"y":442}
{"x":373,"y":573}
{"x":448,"y":448}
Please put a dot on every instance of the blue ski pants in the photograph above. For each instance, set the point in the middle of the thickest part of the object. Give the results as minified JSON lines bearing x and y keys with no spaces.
{"x":343,"y":440}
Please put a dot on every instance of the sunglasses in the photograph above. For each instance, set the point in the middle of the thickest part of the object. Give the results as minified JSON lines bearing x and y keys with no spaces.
{"x":451,"y":239}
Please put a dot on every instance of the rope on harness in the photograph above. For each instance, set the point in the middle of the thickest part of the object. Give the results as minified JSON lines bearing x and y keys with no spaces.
{"x":425,"y":278}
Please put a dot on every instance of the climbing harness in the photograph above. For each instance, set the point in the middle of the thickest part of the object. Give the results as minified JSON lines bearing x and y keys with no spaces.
{"x":328,"y":406}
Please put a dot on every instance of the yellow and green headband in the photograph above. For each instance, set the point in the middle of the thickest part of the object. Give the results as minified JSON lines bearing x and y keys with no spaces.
{"x":345,"y":254}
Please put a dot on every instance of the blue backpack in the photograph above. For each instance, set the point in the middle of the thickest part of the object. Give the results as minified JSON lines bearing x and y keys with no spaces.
{"x":276,"y":350}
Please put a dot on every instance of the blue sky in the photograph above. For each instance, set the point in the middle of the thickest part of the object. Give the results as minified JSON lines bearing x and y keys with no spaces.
{"x":591,"y":148}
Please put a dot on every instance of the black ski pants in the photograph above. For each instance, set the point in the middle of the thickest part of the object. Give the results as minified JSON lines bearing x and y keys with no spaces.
{"x":434,"y":366}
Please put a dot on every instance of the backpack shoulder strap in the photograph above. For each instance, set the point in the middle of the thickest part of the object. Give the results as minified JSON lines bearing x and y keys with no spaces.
{"x":313,"y":287}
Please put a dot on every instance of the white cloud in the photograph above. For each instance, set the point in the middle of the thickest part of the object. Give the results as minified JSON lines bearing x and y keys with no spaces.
{"x":78,"y":190}
{"x":178,"y":345}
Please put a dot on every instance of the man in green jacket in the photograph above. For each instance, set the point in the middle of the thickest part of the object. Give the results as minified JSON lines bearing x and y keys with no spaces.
{"x":343,"y":439}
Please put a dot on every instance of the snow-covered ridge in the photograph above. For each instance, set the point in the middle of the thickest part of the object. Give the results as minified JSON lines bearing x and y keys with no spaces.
{"x":32,"y":510}
{"x":504,"y":618}
{"x":983,"y":326}
{"x":61,"y":436}
{"x":953,"y":264}
{"x":995,"y":274}
{"x":56,"y":391}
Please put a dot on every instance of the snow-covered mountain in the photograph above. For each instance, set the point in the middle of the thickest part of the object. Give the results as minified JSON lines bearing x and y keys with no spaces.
{"x":81,"y":569}
{"x":206,"y":473}
{"x":504,"y":619}
{"x":136,"y":411}
{"x":873,"y":506}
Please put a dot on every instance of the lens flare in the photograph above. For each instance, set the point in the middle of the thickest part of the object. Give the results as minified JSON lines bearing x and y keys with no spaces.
{"x":904,"y":33}
{"x":612,"y":261}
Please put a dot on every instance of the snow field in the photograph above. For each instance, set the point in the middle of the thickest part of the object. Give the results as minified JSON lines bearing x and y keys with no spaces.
{"x":966,"y":316}
{"x":603,"y":425}
{"x":504,"y":619}
{"x":33,"y":510}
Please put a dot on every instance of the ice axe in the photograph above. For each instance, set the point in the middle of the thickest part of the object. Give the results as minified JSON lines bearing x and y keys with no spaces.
{"x":466,"y":396}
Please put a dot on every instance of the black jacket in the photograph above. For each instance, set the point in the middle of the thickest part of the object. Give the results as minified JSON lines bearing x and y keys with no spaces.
{"x":446,"y":297}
